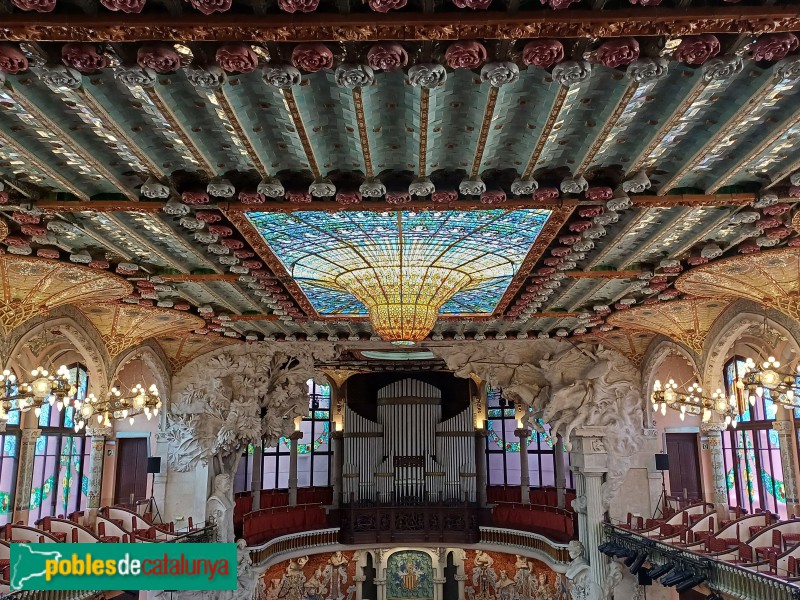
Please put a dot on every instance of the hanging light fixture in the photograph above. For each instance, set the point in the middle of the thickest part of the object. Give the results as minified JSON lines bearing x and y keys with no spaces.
{"x":43,"y":387}
{"x":118,"y":405}
{"x":694,"y":402}
{"x":781,"y":383}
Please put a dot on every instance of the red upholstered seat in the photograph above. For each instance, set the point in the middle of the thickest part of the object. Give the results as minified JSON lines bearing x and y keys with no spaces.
{"x":110,"y":539}
{"x":745,"y":555}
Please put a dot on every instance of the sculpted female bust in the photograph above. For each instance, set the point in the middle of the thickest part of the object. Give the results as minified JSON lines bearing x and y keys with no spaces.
{"x":219,"y":507}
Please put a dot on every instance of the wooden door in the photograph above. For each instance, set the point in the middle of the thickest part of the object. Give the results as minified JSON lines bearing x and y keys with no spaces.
{"x":684,"y":465}
{"x":131,"y":470}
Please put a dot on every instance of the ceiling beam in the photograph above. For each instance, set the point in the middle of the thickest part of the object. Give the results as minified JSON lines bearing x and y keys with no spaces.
{"x":107,"y":27}
{"x":602,"y":274}
{"x":644,"y":201}
{"x":199,"y":277}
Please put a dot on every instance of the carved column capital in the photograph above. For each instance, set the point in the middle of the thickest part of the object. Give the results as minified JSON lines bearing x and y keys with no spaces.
{"x":522,"y":433}
{"x":712,"y":426}
{"x":105,"y":432}
{"x":30,"y":435}
{"x":359,"y":578}
{"x":461,"y":577}
{"x":295,"y":435}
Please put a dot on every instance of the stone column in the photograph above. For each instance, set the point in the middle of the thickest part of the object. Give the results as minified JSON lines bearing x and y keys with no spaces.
{"x":255,"y":477}
{"x":438,"y":588}
{"x":480,"y":466}
{"x":590,"y":458}
{"x":293,"y":467}
{"x":98,"y":436}
{"x":337,"y":446}
{"x":27,"y":450}
{"x":359,"y":580}
{"x":462,"y":582}
{"x":561,"y":475}
{"x":784,"y":426}
{"x":380,"y":585}
{"x":713,"y":442}
{"x":525,"y":473}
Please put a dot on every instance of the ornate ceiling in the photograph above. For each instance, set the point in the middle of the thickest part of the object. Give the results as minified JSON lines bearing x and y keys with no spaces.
{"x":179,"y":144}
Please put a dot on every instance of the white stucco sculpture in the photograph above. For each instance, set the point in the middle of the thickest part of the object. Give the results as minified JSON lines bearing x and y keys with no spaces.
{"x":219,"y":508}
{"x":578,"y":573}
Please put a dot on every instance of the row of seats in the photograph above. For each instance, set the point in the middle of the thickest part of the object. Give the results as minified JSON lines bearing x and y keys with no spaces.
{"x":243,"y":501}
{"x":550,"y":521}
{"x":262,"y":525}
{"x":545,"y":496}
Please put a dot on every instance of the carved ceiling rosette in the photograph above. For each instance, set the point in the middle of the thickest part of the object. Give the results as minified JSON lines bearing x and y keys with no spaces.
{"x":769,"y":278}
{"x":124,"y":326}
{"x":686,"y":321}
{"x":32,"y":286}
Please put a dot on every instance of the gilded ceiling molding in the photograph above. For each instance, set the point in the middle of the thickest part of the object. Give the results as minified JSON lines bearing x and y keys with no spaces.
{"x":181,"y":349}
{"x":123,"y":326}
{"x":297,"y":119}
{"x":67,"y":140}
{"x":488,"y":113}
{"x":108,"y":122}
{"x":265,"y":253}
{"x":729,"y":126}
{"x":686,"y":103}
{"x":402,"y":26}
{"x":736,"y":168}
{"x":200,"y":158}
{"x":552,"y":119}
{"x":558,"y":217}
{"x":32,"y":286}
{"x":44,"y":168}
{"x":686,"y":321}
{"x":424,"y":108}
{"x":770,"y":278}
{"x":600,"y":139}
{"x":241,"y":133}
{"x":361,"y":121}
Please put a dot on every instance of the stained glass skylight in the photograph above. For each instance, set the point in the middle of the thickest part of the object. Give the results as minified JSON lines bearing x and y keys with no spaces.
{"x":451,"y":262}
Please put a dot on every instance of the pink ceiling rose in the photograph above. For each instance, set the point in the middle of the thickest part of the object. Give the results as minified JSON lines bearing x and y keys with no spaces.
{"x":208,"y":216}
{"x":553,"y":261}
{"x":560,"y":250}
{"x":24,"y":218}
{"x":194,"y":198}
{"x":748,"y":247}
{"x":398,"y":197}
{"x":545,"y":270}
{"x":646,"y":2}
{"x":794,"y":191}
{"x":161,"y":58}
{"x":444,"y":196}
{"x":618,"y":52}
{"x":244,"y":254}
{"x":33,"y":230}
{"x":493,"y":197}
{"x":348,"y":198}
{"x":776,"y":209}
{"x":473,"y":4}
{"x":37,"y":5}
{"x":231,"y":243}
{"x":237,"y":58}
{"x":126,"y":6}
{"x":569,"y":239}
{"x":599,"y":193}
{"x":3,"y":197}
{"x":387,"y":56}
{"x":48,"y":253}
{"x":579,"y":226}
{"x":83,"y":57}
{"x":251,"y":198}
{"x":100,"y":264}
{"x":779,"y":233}
{"x":221,"y":231}
{"x":697,"y":49}
{"x":591,"y":211}
{"x":298,"y":197}
{"x":546,"y":193}
{"x":252,"y":264}
{"x":12,"y":61}
{"x":312,"y":57}
{"x":303,"y":6}
{"x":558,"y":4}
{"x":384,"y":6}
{"x":465,"y":55}
{"x":208,"y":7}
{"x":695,"y":259}
{"x":543,"y":53}
{"x":774,"y":46}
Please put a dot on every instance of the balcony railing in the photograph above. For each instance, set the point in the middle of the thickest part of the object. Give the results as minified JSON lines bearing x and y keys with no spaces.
{"x":378,"y":524}
{"x":53,"y":595}
{"x":307,"y":540}
{"x":555,"y":552}
{"x":723,"y":577}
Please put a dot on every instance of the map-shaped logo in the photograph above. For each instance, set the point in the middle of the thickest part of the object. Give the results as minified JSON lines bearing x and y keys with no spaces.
{"x":29,"y":564}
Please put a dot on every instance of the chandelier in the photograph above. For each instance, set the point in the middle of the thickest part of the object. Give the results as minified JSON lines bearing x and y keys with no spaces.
{"x":118,"y":405}
{"x":43,"y":387}
{"x":693,"y":402}
{"x":782,"y":385}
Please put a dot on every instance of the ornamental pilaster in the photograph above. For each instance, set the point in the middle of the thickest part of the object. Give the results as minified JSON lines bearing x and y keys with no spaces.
{"x":787,"y":438}
{"x":27,"y":452}
{"x":99,"y":435}
{"x":711,"y":442}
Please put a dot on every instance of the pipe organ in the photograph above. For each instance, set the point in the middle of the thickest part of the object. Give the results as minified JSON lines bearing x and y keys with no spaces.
{"x":409,"y":455}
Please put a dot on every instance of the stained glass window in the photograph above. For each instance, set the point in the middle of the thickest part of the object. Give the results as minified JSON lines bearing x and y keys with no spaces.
{"x":751,"y":453}
{"x":322,"y":251}
{"x":9,"y":450}
{"x":503,"y":447}
{"x":313,"y":449}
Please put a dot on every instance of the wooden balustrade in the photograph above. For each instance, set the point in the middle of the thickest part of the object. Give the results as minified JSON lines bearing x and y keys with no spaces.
{"x":495,"y":536}
{"x":306,"y":540}
{"x":409,"y":524}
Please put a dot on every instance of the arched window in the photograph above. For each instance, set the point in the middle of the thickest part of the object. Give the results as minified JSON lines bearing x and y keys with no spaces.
{"x":313,"y":449}
{"x":751,"y":452}
{"x":59,"y":485}
{"x":503,"y":448}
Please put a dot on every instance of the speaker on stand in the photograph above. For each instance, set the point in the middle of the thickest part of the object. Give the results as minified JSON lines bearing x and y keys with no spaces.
{"x":153,"y":467}
{"x":662,"y":464}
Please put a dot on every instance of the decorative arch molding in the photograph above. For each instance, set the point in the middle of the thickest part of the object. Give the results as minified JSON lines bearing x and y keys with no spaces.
{"x":660,"y":349}
{"x":154,"y":359}
{"x":741,"y":316}
{"x":81,"y":334}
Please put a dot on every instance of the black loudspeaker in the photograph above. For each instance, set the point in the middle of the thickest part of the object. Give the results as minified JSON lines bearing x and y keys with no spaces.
{"x":644,"y":578}
{"x":662,"y":462}
{"x":154,"y":464}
